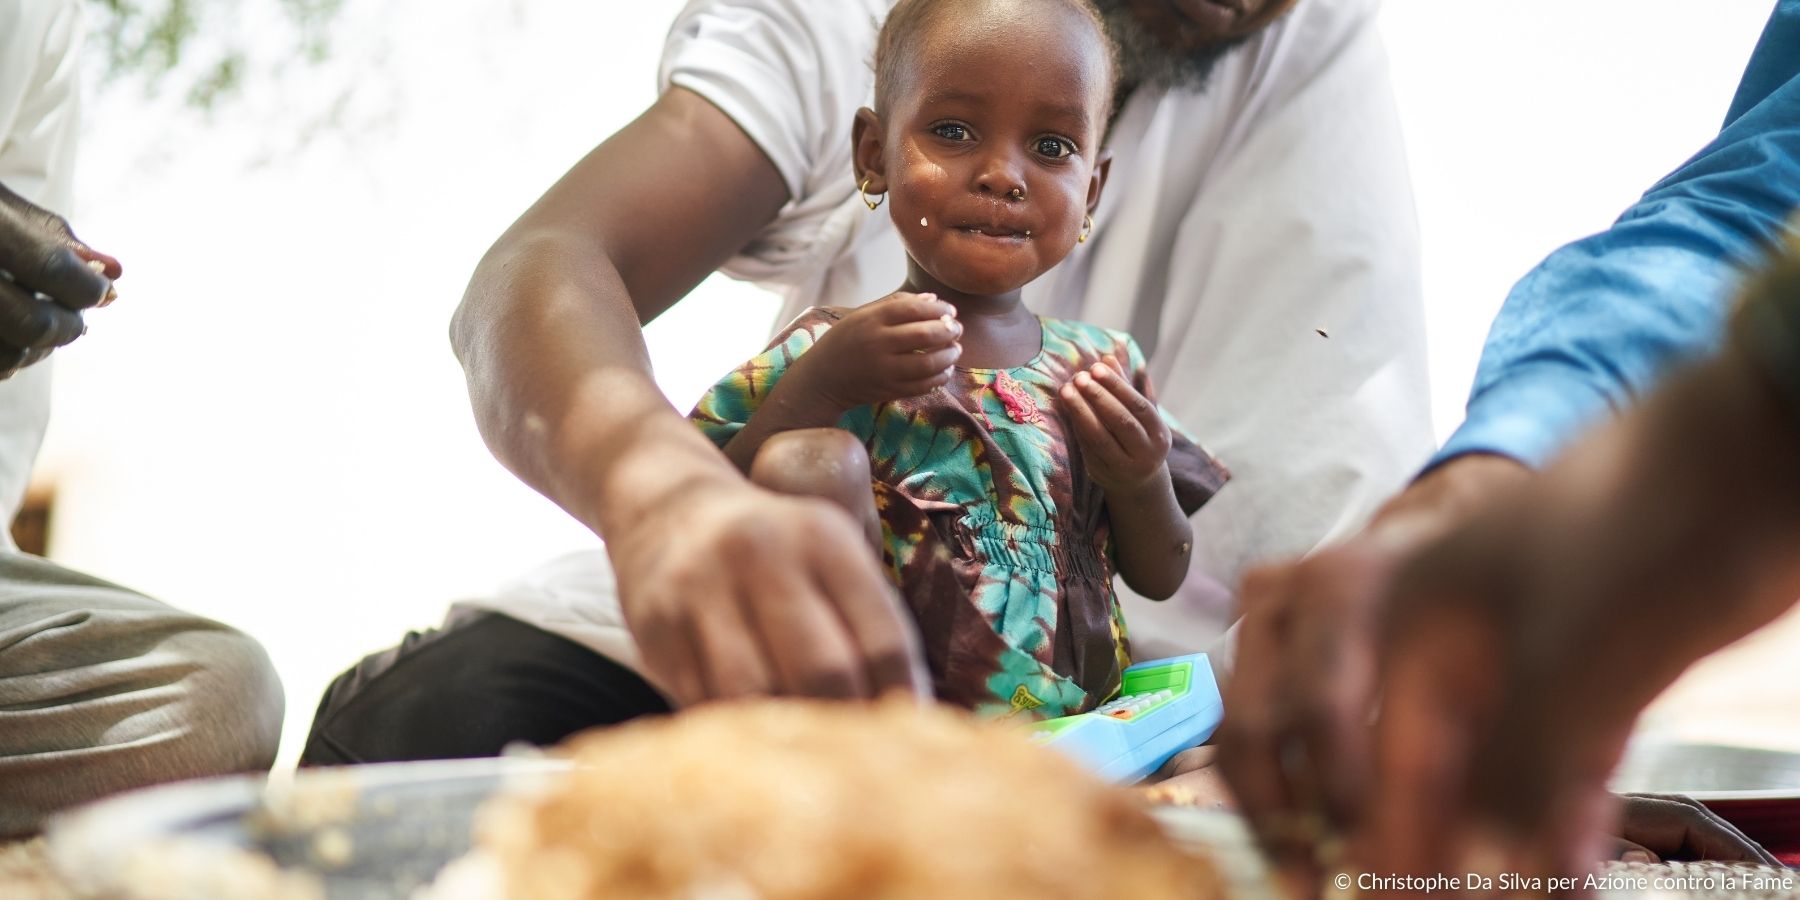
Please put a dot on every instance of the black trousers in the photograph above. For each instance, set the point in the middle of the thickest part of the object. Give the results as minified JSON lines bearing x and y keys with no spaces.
{"x":480,"y":682}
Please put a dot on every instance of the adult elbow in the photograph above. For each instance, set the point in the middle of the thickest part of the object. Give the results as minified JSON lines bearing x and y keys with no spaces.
{"x":498,"y":284}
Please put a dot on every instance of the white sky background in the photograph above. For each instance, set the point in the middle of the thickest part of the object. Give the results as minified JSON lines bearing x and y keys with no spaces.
{"x":269,"y":427}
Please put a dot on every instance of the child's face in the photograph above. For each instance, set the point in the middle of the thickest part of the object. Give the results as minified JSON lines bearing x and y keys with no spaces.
{"x":993,"y":143}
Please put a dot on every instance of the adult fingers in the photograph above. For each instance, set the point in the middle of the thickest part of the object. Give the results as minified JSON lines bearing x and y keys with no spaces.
{"x":15,"y":359}
{"x":1433,"y":722}
{"x":733,"y":662}
{"x":1677,"y":827}
{"x":37,"y":250}
{"x":810,"y":649}
{"x":1328,"y":670}
{"x":109,"y":265}
{"x":891,"y":656}
{"x":670,"y":654}
{"x":1251,"y":750}
{"x":32,"y":323}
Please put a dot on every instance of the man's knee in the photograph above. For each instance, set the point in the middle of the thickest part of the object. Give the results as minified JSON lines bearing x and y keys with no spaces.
{"x":122,"y":692}
{"x":819,"y":462}
{"x":234,"y":704}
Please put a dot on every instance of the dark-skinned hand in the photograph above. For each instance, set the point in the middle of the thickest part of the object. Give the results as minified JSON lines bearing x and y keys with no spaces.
{"x":732,"y":591}
{"x":47,"y":278}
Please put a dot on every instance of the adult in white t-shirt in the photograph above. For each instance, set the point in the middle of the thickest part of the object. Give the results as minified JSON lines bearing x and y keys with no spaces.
{"x":1257,"y":236}
{"x":101,"y":689}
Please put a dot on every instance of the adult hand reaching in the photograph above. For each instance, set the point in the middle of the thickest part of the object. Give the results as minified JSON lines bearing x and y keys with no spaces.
{"x":47,"y":277}
{"x":1295,"y":742}
{"x":1518,"y":651}
{"x":734,"y":591}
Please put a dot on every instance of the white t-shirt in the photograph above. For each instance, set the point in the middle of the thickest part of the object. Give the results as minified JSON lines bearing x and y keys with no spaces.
{"x":1258,"y":239}
{"x":39,"y":112}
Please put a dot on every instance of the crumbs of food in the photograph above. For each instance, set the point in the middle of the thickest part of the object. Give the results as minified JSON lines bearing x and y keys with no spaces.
{"x":313,"y":800}
{"x":178,"y":870}
{"x":332,"y":848}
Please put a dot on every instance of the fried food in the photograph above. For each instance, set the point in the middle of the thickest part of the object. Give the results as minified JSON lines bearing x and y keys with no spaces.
{"x":790,"y":800}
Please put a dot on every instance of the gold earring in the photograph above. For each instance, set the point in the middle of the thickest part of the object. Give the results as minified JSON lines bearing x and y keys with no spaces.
{"x":863,"y":189}
{"x":1087,"y":228}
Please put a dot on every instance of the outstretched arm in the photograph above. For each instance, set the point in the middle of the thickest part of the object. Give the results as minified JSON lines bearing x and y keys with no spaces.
{"x":549,"y":330}
{"x":728,"y":589}
{"x":1586,"y":333}
{"x":1521,"y":649}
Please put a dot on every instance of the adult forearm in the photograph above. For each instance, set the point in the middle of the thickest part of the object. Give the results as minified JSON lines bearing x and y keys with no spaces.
{"x":1152,"y":540}
{"x":1445,"y":497}
{"x":1677,"y":534}
{"x":561,"y":383}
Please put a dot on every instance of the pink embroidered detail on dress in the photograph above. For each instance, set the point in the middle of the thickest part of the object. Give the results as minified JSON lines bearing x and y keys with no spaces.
{"x":1019,"y":405}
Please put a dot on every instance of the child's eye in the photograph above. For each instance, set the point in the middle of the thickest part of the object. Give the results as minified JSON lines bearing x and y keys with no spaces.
{"x":1055,"y":148}
{"x":951,"y":131}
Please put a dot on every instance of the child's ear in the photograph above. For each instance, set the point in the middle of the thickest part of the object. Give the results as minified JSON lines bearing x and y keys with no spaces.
{"x":867,"y":151}
{"x":1097,"y":181}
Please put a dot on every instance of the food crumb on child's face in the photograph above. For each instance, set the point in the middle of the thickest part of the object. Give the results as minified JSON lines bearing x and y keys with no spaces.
{"x":993,"y":140}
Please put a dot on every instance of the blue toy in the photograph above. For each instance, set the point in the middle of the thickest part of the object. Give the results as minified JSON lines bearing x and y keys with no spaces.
{"x":1163,"y":708}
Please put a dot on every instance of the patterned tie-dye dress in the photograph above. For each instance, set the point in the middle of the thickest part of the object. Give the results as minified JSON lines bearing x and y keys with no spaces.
{"x":998,"y":540}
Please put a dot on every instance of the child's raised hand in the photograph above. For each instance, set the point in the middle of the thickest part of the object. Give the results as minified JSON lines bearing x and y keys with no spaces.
{"x":902,"y":345}
{"x":1124,"y":441}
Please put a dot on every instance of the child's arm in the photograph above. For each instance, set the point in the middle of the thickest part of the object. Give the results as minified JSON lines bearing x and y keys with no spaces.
{"x":1125,"y":444}
{"x":900,"y":346}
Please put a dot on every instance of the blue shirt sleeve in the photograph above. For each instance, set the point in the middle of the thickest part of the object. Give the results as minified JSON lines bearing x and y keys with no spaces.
{"x":1601,"y":319}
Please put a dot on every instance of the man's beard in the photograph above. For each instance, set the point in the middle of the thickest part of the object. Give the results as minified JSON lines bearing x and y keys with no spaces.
{"x":1146,"y":62}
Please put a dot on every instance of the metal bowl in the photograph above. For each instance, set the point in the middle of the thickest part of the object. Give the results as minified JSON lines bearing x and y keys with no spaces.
{"x":379,"y":831}
{"x":357,"y":833}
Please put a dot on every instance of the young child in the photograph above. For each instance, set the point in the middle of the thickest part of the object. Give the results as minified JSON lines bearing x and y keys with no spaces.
{"x":1016,"y":461}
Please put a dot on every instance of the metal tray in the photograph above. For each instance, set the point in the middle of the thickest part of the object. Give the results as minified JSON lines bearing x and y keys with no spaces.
{"x":1709,"y":772}
{"x":368,"y":832}
{"x":386,"y":831}
{"x":359,"y":833}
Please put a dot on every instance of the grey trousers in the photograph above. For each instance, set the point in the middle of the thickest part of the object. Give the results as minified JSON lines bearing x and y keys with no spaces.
{"x":103,"y":690}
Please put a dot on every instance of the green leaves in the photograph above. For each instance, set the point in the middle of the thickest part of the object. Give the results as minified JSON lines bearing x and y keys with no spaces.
{"x":203,"y":50}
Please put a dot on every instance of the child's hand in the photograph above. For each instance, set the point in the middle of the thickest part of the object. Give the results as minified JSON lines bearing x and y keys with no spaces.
{"x":1124,"y":442}
{"x":902,"y":345}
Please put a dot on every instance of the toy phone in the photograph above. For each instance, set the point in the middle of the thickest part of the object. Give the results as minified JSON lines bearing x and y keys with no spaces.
{"x":1164,"y":707}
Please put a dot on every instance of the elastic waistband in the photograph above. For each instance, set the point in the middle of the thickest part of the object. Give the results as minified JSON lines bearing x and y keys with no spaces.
{"x":1029,"y":547}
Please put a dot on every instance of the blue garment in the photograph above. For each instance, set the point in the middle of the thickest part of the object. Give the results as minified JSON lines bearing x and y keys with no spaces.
{"x":1603,"y":318}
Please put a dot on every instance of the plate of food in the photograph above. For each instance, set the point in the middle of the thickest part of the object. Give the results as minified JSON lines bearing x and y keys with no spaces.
{"x":767,"y":801}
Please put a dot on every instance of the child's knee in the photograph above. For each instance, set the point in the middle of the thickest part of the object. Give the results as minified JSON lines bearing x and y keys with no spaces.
{"x":812,"y":461}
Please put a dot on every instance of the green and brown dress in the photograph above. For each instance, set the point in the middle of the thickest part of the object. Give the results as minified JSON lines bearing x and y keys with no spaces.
{"x":996,"y":537}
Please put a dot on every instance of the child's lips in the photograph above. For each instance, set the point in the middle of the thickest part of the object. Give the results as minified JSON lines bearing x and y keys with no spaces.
{"x":996,"y":231}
